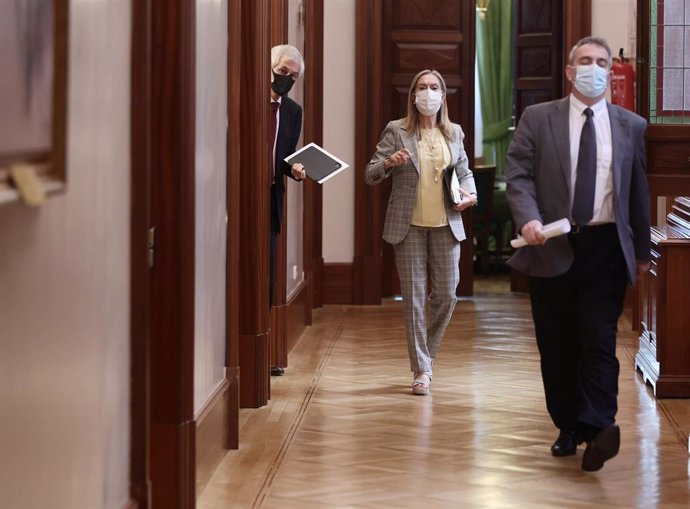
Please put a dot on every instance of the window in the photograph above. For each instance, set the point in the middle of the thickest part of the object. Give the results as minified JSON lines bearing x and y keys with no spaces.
{"x":669,"y":71}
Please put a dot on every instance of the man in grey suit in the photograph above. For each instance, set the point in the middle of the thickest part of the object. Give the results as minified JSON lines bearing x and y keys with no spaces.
{"x":580,"y":158}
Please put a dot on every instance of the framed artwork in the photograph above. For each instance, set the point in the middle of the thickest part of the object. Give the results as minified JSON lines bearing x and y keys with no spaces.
{"x":33,"y":93}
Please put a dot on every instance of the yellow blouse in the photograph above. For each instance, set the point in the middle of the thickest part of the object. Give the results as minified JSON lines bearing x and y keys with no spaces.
{"x":434,"y":156}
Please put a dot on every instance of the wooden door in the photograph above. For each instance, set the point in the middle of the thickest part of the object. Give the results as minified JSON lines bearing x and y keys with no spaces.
{"x":397,"y":39}
{"x":538,"y":66}
{"x":543,"y":33}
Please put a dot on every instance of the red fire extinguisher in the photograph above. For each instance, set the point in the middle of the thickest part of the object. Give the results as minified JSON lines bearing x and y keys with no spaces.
{"x":623,"y":83}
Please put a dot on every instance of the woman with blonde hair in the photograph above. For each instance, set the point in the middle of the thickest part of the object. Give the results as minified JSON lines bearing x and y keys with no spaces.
{"x":423,"y":225}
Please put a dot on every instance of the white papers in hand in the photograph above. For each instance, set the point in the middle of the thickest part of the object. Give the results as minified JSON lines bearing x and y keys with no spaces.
{"x":549,"y":230}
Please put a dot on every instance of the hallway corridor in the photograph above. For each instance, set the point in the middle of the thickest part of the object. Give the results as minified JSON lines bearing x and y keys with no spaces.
{"x":343,"y":430}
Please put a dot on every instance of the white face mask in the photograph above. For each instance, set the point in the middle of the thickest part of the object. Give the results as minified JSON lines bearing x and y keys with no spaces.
{"x":590,"y":80}
{"x":428,"y":101}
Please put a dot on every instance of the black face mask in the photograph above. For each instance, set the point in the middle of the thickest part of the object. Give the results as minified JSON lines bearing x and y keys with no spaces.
{"x":281,"y":83}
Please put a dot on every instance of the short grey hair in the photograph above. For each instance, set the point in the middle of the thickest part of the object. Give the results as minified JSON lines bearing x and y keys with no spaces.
{"x":596,"y":41}
{"x":289,"y":51}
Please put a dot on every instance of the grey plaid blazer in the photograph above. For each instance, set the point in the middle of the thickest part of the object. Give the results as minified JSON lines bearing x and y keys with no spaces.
{"x":405,"y":177}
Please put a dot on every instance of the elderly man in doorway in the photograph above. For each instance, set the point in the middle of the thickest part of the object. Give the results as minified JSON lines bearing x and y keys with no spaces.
{"x":287,"y":65}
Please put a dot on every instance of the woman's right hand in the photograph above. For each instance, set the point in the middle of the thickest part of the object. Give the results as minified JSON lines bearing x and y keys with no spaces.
{"x":402,"y":156}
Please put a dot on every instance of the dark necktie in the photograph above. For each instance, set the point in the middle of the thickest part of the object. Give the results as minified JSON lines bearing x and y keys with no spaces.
{"x":583,"y":201}
{"x":274,"y":123}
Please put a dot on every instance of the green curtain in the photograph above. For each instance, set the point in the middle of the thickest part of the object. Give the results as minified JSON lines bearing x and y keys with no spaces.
{"x":494,"y":64}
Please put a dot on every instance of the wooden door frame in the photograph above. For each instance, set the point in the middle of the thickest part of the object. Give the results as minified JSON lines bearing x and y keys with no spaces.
{"x":253,"y":218}
{"x":289,"y":317}
{"x":232,"y":269}
{"x":577,"y":22}
{"x":313,"y":132}
{"x":173,"y":104}
{"x":367,"y":264}
{"x":162,"y":460}
{"x":140,"y":147}
{"x":278,"y":330}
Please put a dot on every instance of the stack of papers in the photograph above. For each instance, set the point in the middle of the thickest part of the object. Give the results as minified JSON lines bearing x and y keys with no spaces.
{"x":549,"y":230}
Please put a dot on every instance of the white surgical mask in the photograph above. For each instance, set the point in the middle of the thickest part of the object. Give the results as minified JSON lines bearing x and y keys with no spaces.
{"x":590,"y":80}
{"x":428,"y":101}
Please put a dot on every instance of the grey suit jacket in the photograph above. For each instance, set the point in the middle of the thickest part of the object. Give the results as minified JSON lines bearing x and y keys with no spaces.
{"x":538,"y":178}
{"x":405,"y":178}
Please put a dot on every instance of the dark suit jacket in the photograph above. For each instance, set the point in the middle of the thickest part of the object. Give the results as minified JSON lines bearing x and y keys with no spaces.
{"x":538,"y":176}
{"x":286,"y":143}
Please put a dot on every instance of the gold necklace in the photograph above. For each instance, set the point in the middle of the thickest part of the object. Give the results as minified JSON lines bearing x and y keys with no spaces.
{"x":430,"y":145}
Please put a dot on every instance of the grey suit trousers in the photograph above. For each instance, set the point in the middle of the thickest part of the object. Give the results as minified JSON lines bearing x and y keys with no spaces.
{"x":438,"y":249}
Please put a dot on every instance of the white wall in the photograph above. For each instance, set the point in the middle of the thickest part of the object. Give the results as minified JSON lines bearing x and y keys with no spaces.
{"x":211,"y":221}
{"x":64,"y":294}
{"x":339,"y":107}
{"x":339,"y":129}
{"x":619,"y":34}
{"x":294,"y":274}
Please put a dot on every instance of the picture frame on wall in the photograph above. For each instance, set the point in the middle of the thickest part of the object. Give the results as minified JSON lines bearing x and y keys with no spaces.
{"x":33,"y":98}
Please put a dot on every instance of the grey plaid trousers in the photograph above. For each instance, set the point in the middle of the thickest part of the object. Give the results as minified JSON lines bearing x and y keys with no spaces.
{"x":439,"y":250}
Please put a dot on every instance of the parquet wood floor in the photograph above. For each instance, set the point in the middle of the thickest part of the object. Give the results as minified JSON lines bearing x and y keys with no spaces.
{"x":343,"y":431}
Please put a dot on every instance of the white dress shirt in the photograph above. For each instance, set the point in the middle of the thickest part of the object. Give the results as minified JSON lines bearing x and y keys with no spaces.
{"x":603,"y":192}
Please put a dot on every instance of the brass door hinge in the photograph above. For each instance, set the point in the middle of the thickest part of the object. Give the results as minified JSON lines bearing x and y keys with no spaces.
{"x":151,"y":246}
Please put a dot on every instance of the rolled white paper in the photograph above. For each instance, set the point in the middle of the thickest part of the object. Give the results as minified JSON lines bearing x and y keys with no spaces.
{"x":549,"y":230}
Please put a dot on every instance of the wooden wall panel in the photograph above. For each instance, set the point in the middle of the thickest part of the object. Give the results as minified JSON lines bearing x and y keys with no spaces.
{"x":539,"y":52}
{"x":212,"y":426}
{"x":254,"y":204}
{"x":422,"y":15}
{"x":410,"y":57}
{"x":337,"y":284}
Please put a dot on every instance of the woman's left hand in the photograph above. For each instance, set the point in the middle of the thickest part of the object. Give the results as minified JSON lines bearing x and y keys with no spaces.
{"x":468,"y":200}
{"x":298,"y":171}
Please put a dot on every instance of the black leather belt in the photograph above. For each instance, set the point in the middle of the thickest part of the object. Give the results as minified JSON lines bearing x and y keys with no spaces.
{"x":576,"y":229}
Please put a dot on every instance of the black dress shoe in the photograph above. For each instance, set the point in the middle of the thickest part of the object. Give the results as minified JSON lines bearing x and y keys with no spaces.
{"x":601,"y":448}
{"x":565,"y":444}
{"x":277,"y":371}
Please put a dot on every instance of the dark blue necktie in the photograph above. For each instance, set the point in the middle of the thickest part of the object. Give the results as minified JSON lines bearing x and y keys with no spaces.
{"x":583,"y":201}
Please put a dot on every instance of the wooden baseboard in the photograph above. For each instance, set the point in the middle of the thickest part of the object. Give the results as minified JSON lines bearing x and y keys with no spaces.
{"x":317,"y":283}
{"x":173,"y":480}
{"x":254,"y":359}
{"x":296,"y":314}
{"x":337,"y":283}
{"x":278,"y":338}
{"x":212,"y":430}
{"x":140,"y":493}
{"x":131,"y":504}
{"x":631,"y":308}
{"x":233,"y":376}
